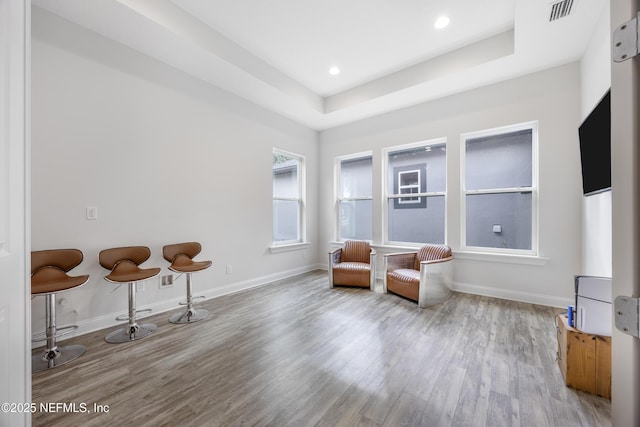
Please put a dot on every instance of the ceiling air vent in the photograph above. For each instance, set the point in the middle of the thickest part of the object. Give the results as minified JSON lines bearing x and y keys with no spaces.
{"x":560,"y":9}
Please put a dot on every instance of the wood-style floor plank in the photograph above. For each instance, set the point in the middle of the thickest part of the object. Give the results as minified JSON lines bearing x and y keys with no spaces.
{"x":297,"y":353}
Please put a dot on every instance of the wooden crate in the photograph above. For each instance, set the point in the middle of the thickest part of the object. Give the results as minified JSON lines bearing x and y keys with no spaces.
{"x":584,"y":359}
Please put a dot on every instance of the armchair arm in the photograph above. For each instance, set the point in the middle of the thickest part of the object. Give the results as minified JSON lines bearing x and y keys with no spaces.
{"x":335,"y":255}
{"x":436,"y":261}
{"x":334,"y":258}
{"x":436,"y":277}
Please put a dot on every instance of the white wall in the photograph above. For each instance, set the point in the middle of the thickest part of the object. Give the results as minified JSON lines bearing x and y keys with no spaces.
{"x":595,"y":80}
{"x":165,"y":158}
{"x":553,"y":98}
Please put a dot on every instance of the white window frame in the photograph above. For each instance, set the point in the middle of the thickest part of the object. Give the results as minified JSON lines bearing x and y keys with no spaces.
{"x":533,"y":125}
{"x":337,"y":190}
{"x":302,"y":217}
{"x":385,"y":199}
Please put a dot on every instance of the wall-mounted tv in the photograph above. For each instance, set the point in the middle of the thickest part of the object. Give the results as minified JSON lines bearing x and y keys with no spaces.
{"x":595,"y":148}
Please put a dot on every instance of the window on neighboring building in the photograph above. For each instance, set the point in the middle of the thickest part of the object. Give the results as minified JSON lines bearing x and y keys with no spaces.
{"x":409,"y":183}
{"x":288,"y":198}
{"x":355,"y":198}
{"x":500,"y":189}
{"x":419,"y":170}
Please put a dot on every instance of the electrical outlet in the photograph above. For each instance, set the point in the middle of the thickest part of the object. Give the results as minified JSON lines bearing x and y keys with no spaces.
{"x":92,"y":212}
{"x":229,"y":269}
{"x":166,"y":280}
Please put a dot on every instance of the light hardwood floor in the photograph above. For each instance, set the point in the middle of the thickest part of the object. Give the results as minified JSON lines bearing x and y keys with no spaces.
{"x":297,"y":353}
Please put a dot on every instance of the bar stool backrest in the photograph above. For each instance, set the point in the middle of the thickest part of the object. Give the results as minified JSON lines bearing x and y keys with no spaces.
{"x":190,"y":249}
{"x":64,"y":259}
{"x":137,"y":254}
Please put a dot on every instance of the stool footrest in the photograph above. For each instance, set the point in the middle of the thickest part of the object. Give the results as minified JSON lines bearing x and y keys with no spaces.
{"x":124,"y":317}
{"x":42,"y":336}
{"x":66,"y":330}
{"x":192,"y":300}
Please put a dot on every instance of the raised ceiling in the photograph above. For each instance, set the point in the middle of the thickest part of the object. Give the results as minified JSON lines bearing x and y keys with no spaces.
{"x":277,"y":53}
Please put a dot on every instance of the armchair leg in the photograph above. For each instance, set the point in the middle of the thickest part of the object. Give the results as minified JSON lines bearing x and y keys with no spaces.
{"x":435,"y":286}
{"x":372,"y":271}
{"x":330,"y":271}
{"x":385,"y":268}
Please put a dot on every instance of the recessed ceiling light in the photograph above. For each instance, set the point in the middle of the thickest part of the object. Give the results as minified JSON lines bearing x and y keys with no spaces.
{"x":441,"y":22}
{"x":334,"y":71}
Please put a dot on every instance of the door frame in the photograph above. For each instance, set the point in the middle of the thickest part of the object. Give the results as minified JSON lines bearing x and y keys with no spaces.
{"x":625,"y":179}
{"x":15,"y":196}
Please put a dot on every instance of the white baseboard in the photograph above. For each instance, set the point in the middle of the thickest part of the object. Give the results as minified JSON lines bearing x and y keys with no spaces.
{"x":528,"y":297}
{"x":108,"y":320}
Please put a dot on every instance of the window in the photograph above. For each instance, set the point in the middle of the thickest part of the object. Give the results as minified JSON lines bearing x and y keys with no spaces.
{"x":499,"y":193}
{"x":419,"y":170}
{"x":288,"y":198}
{"x":355,"y":197}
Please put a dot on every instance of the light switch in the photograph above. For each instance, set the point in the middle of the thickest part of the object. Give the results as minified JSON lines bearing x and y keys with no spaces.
{"x":497,"y":228}
{"x":92,"y":212}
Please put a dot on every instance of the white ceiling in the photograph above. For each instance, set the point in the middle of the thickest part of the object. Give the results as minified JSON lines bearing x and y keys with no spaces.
{"x":367,"y":39}
{"x":277,"y":53}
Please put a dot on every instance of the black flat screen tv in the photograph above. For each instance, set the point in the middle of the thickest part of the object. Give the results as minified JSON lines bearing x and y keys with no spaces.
{"x":595,"y":148}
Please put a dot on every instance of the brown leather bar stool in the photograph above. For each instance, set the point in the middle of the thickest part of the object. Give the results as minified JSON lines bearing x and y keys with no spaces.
{"x":180,"y":256}
{"x":123,"y":263}
{"x":48,"y":277}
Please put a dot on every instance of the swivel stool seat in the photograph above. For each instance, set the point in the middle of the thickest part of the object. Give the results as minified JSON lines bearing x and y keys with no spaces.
{"x":124,"y":265}
{"x":180,"y":256}
{"x":48,"y":277}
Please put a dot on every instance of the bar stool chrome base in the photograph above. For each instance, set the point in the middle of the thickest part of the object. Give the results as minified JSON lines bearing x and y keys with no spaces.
{"x":189,"y":316}
{"x":52,"y":358}
{"x":131,"y":333}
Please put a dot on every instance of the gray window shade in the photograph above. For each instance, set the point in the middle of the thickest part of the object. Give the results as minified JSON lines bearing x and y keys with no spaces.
{"x":499,"y":161}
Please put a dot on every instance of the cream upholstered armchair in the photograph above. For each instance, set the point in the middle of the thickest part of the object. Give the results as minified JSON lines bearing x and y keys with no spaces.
{"x":353,"y":265}
{"x":424,"y":276}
